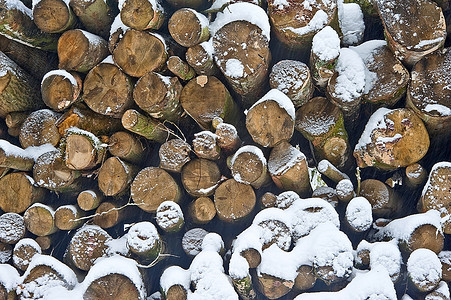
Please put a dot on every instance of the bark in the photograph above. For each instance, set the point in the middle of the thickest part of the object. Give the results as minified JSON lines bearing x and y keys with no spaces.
{"x":200,"y":177}
{"x":274,"y":287}
{"x":115,"y":176}
{"x":142,"y":14}
{"x":227,"y":137}
{"x":322,"y":64}
{"x":174,"y":154}
{"x":60,"y":89}
{"x":205,"y":145}
{"x":412,"y":29}
{"x":151,"y":179}
{"x":108,"y":214}
{"x":200,"y":58}
{"x":382,"y":198}
{"x":415,"y":175}
{"x":84,"y":150}
{"x":159,"y":96}
{"x":107,"y":90}
{"x":18,"y":192}
{"x":16,"y":22}
{"x":145,"y":126}
{"x":19,"y":91}
{"x":53,"y":16}
{"x":39,"y":128}
{"x":248,"y":165}
{"x":80,"y":51}
{"x":89,"y":199}
{"x":293,"y":79}
{"x":140,"y":52}
{"x":180,"y":68}
{"x":188,"y":27}
{"x":234,"y":201}
{"x":96,"y":15}
{"x":368,"y":6}
{"x":23,"y":252}
{"x":67,"y":217}
{"x":12,"y":228}
{"x":205,"y":97}
{"x":202,"y":210}
{"x":128,"y":147}
{"x":14,"y":157}
{"x":244,"y":287}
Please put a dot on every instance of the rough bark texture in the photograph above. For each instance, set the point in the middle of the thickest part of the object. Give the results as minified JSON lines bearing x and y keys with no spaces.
{"x":96,"y":15}
{"x":145,"y":126}
{"x":180,"y":68}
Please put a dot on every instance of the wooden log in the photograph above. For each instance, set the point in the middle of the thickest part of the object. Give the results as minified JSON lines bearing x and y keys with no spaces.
{"x":177,"y":290}
{"x":412,"y":30}
{"x":89,"y":199}
{"x":202,"y":210}
{"x":53,"y":16}
{"x":17,"y":24}
{"x":445,"y":257}
{"x":6,"y":253}
{"x":170,"y":217}
{"x":15,"y":119}
{"x":142,"y":14}
{"x":345,"y":190}
{"x":159,"y":96}
{"x":80,"y":51}
{"x":107,"y":90}
{"x":23,"y":252}
{"x":19,"y":91}
{"x":14,"y":157}
{"x":40,"y":219}
{"x":115,"y":176}
{"x":288,"y":168}
{"x":145,"y":126}
{"x":192,"y":241}
{"x":234,"y":201}
{"x":382,"y":198}
{"x":140,"y":52}
{"x":84,"y":150}
{"x":326,"y":168}
{"x":274,"y":287}
{"x":359,"y":216}
{"x":326,"y":193}
{"x":148,"y":190}
{"x":324,"y":55}
{"x":227,"y":136}
{"x":205,"y":145}
{"x":39,"y":128}
{"x":12,"y":228}
{"x":127,"y":146}
{"x":268,"y":199}
{"x":47,"y":241}
{"x":60,"y":89}
{"x":144,"y":242}
{"x":271,"y":119}
{"x":18,"y":192}
{"x":429,"y":80}
{"x":200,"y":177}
{"x":206,"y":97}
{"x":241,"y":279}
{"x":67,"y":217}
{"x":188,"y":27}
{"x":174,"y":154}
{"x":368,"y":6}
{"x":293,"y":78}
{"x":248,"y":165}
{"x":180,"y":68}
{"x":111,"y":213}
{"x":305,"y":279}
{"x":424,"y":270}
{"x":96,"y":15}
{"x":415,"y":175}
{"x":440,"y":292}
{"x":200,"y":58}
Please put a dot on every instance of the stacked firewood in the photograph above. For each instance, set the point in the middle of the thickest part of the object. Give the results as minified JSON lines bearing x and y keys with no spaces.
{"x":169,"y":149}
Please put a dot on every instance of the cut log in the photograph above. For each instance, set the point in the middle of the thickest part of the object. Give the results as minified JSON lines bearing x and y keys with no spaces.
{"x":39,"y":128}
{"x":67,"y":217}
{"x":227,"y":136}
{"x":326,"y":193}
{"x":174,"y":154}
{"x":180,"y":68}
{"x":12,"y":228}
{"x":142,"y":14}
{"x":412,"y":30}
{"x":140,"y":52}
{"x":268,"y":199}
{"x":47,"y":241}
{"x":175,"y":289}
{"x":415,"y":175}
{"x":292,"y":78}
{"x":40,"y":219}
{"x":202,"y":210}
{"x":424,"y":270}
{"x":170,"y":217}
{"x":234,"y":201}
{"x":23,"y":252}
{"x":345,"y":190}
{"x":127,"y":146}
{"x":107,"y":90}
{"x":205,"y":145}
{"x":60,"y":89}
{"x":382,"y":197}
{"x":188,"y":27}
{"x":80,"y":51}
{"x":445,"y":259}
{"x":192,"y":241}
{"x":15,"y":119}
{"x":248,"y":166}
{"x":200,"y":58}
{"x":206,"y":97}
{"x":441,"y":292}
{"x":330,"y":171}
{"x":15,"y":157}
{"x":89,"y":199}
{"x":274,"y":287}
{"x":109,"y":214}
{"x":19,"y":91}
{"x":18,"y":192}
{"x":271,"y":119}
{"x":368,"y":6}
{"x":200,"y":177}
{"x":152,"y":186}
{"x":16,"y":22}
{"x":53,"y":16}
{"x":159,"y":96}
{"x":305,"y":279}
{"x":95,"y":15}
{"x":115,"y":176}
{"x":426,"y":94}
{"x":241,"y":279}
{"x":145,"y":126}
{"x":288,"y":168}
{"x":144,"y":242}
{"x":84,"y":150}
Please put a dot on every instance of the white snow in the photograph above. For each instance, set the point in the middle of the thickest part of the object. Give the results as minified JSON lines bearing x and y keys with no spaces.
{"x":92,"y":38}
{"x":62,"y":73}
{"x":443,"y":289}
{"x":238,"y":267}
{"x":324,"y":164}
{"x":387,"y":255}
{"x":192,"y":240}
{"x":316,"y":23}
{"x":440,"y":109}
{"x":283,"y":164}
{"x":359,"y":213}
{"x":376,"y":121}
{"x":169,"y":214}
{"x":142,"y":236}
{"x":424,"y":267}
{"x":175,"y":275}
{"x":286,"y":199}
{"x":290,"y":75}
{"x":9,"y":277}
{"x":367,"y":49}
{"x":350,"y":82}
{"x":32,"y":152}
{"x":277,"y":263}
{"x":281,"y":99}
{"x":212,"y":242}
{"x":117,"y":24}
{"x":351,"y":24}
{"x":108,"y":60}
{"x":160,"y":37}
{"x":247,"y":149}
{"x":46,"y":260}
{"x":344,"y":187}
{"x":234,"y":68}
{"x":326,"y":44}
{"x":15,"y":4}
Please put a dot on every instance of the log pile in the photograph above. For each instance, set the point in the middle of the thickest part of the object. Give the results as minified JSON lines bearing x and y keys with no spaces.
{"x":171,"y":149}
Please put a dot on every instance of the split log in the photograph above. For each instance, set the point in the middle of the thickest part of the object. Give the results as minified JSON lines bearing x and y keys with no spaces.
{"x":18,"y":192}
{"x":345,"y":190}
{"x":227,"y":136}
{"x":23,"y":253}
{"x":89,"y":199}
{"x":67,"y":217}
{"x":248,"y":165}
{"x":205,"y":145}
{"x":53,"y":16}
{"x":170,"y":217}
{"x":383,"y":199}
{"x":202,"y":210}
{"x":60,"y":89}
{"x":159,"y":96}
{"x":80,"y":51}
{"x":426,"y":94}
{"x":288,"y":168}
{"x":39,"y":128}
{"x":174,"y":154}
{"x":110,"y":213}
{"x":115,"y":176}
{"x":142,"y":14}
{"x":234,"y":201}
{"x":95,"y":15}
{"x":188,"y":27}
{"x":206,"y":97}
{"x":140,"y":52}
{"x":324,"y":55}
{"x":293,"y":78}
{"x":415,"y":175}
{"x":107,"y":90}
{"x":17,"y":24}
{"x":145,"y":126}
{"x":152,"y":186}
{"x":127,"y":146}
{"x":12,"y":228}
{"x":330,"y":171}
{"x":424,"y":270}
{"x":180,"y":68}
{"x":271,"y":119}
{"x":412,"y":30}
{"x":144,"y":242}
{"x":200,"y":177}
{"x":84,"y":150}
{"x":200,"y":58}
{"x":19,"y":91}
{"x":40,"y":219}
{"x":192,"y":241}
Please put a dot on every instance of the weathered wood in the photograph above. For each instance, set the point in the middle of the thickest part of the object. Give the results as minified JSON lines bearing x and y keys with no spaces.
{"x":23,"y":252}
{"x":273,"y":287}
{"x":195,"y":4}
{"x":47,"y":241}
{"x":96,"y":15}
{"x":423,"y":270}
{"x":330,"y":171}
{"x":6,"y":253}
{"x":324,"y":55}
{"x":12,"y":228}
{"x":180,"y":68}
{"x":109,"y":214}
{"x":142,"y":14}
{"x":345,"y":190}
{"x":14,"y":157}
{"x":227,"y":136}
{"x":84,"y":150}
{"x":305,"y":279}
{"x":200,"y":177}
{"x":67,"y":217}
{"x":115,"y":176}
{"x":145,"y":126}
{"x":15,"y":119}
{"x":188,"y":27}
{"x":60,"y":89}
{"x":248,"y":165}
{"x":112,"y":286}
{"x":174,"y":154}
{"x":40,"y":219}
{"x":268,"y":199}
{"x":205,"y":145}
{"x":89,"y":199}
{"x":39,"y":128}
{"x":53,"y":16}
{"x":192,"y":241}
{"x":200,"y":58}
{"x":202,"y":210}
{"x":127,"y":146}
{"x":415,"y":175}
{"x":382,"y":198}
